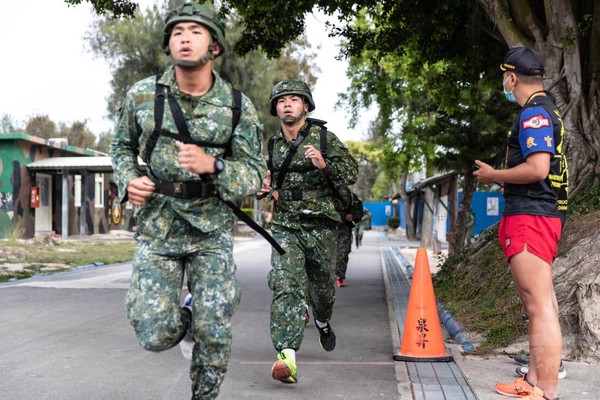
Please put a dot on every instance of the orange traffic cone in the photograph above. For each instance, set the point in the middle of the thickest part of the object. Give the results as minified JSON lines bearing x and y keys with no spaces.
{"x":422,"y":339}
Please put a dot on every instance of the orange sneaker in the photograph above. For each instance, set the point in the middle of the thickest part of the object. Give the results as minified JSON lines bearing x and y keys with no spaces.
{"x":537,"y":394}
{"x":517,"y":388}
{"x":340,"y":282}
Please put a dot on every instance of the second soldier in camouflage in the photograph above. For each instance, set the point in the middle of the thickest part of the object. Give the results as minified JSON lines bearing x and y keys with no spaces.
{"x":304,"y":162}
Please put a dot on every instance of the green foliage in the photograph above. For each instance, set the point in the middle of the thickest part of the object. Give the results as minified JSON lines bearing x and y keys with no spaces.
{"x":588,"y":201}
{"x":393,"y":222}
{"x":132,"y":47}
{"x":116,"y":8}
{"x":7,"y":124}
{"x":367,"y":154}
{"x":104,"y":140}
{"x":476,"y":286}
{"x":77,"y":134}
{"x":41,"y":126}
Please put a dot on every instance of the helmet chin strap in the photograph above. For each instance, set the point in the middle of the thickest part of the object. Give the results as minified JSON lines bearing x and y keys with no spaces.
{"x":289,"y":120}
{"x":203,"y":60}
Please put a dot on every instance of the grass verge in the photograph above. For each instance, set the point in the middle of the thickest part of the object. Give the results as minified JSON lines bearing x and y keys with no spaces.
{"x":21,"y":260}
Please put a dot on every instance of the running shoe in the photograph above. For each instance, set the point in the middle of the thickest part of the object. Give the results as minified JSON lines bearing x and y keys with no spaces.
{"x":522,"y":358}
{"x":326,"y":337}
{"x":562,"y":372}
{"x":517,"y":388}
{"x":284,"y":370}
{"x":340,"y":282}
{"x":187,"y":343}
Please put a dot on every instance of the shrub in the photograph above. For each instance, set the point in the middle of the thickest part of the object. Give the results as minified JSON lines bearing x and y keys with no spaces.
{"x":393,"y":222}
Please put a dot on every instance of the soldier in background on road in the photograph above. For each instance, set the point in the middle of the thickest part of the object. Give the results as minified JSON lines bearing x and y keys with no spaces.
{"x":305,"y":160}
{"x":363,"y":225}
{"x":350,"y":208}
{"x":200,"y":141}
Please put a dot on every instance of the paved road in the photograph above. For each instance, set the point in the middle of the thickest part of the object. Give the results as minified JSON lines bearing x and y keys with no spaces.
{"x":66,"y":337}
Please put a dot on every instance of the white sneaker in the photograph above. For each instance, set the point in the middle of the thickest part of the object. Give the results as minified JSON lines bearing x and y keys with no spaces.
{"x":562,"y":372}
{"x":187,"y":343}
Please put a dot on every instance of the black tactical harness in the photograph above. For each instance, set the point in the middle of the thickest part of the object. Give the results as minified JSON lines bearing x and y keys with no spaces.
{"x":297,"y":194}
{"x":204,"y":188}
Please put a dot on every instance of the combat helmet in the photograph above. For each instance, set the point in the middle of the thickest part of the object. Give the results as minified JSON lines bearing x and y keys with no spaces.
{"x":199,"y":13}
{"x":284,"y":88}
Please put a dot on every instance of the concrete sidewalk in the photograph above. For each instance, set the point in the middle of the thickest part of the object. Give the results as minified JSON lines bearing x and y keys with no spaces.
{"x":467,"y":376}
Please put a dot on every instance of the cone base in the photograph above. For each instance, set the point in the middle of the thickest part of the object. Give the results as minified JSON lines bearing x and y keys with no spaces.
{"x":400,"y":357}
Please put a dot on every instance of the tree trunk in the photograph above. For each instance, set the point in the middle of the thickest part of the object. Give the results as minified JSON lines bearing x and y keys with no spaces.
{"x":577,"y":94}
{"x":461,"y":234}
{"x":427,"y":226}
{"x":411,"y":232}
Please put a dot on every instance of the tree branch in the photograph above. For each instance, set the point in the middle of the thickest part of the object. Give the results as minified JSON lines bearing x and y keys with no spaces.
{"x":498,"y":11}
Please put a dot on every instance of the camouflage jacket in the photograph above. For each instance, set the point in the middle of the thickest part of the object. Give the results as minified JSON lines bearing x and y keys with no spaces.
{"x":355,"y":208}
{"x":341,"y":168}
{"x":209,"y":118}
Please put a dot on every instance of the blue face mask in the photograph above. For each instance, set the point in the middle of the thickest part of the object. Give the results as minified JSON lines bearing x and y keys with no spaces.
{"x":508,"y":95}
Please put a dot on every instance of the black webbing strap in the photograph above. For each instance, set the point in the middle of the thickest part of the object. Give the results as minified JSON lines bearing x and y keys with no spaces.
{"x":183,"y":134}
{"x":322,"y":135}
{"x":235,"y":118}
{"x":252,"y":224}
{"x":163,"y":91}
{"x":288,"y":158}
{"x":159,"y":108}
{"x":178,"y":115}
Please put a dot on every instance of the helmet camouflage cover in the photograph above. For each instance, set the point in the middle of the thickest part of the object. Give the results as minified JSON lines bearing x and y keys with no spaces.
{"x":284,"y":88}
{"x":194,"y":12}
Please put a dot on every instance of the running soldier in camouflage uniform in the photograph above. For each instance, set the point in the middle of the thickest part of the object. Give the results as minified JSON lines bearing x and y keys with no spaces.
{"x":350,"y":208}
{"x":304,"y":222}
{"x":195,"y":161}
{"x":362,"y":226}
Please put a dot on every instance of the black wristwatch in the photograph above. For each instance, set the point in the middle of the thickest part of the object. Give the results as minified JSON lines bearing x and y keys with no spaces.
{"x":219,"y":165}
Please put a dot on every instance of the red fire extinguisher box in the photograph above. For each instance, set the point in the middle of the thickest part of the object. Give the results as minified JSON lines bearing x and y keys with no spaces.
{"x":35,"y":197}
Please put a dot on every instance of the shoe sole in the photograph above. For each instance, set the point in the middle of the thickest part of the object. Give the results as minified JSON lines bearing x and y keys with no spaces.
{"x":512,"y":394}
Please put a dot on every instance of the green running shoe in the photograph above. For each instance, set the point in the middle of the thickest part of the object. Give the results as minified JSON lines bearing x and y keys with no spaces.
{"x":284,"y":370}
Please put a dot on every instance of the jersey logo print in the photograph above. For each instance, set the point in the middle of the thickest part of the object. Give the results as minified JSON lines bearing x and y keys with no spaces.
{"x":548,"y":141}
{"x":531,"y":142}
{"x":535,"y":122}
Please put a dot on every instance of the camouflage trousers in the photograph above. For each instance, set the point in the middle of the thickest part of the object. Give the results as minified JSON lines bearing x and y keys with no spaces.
{"x":344,"y":247}
{"x":359,"y":230}
{"x":304,"y":275}
{"x":153,"y":300}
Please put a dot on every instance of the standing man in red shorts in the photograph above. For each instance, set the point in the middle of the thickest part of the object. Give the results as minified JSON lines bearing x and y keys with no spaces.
{"x":535,"y":190}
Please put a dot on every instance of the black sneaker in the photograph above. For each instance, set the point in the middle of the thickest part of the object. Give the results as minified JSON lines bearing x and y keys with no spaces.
{"x":326,"y":337}
{"x":522,"y":358}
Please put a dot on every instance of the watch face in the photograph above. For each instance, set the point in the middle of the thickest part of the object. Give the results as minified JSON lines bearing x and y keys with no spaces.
{"x":219,"y":165}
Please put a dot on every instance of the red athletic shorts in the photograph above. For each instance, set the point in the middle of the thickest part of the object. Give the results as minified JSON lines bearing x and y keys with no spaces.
{"x":540,"y":233}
